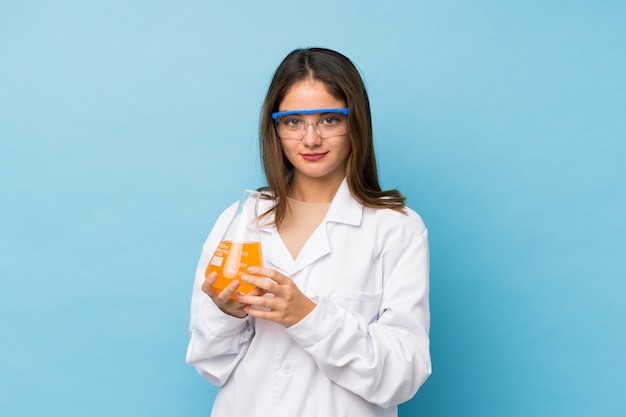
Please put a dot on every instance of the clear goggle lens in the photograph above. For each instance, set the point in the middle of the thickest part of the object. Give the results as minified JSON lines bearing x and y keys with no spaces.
{"x":329,"y":123}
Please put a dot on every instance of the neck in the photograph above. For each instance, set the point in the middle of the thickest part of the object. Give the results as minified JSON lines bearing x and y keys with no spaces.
{"x":314,"y":190}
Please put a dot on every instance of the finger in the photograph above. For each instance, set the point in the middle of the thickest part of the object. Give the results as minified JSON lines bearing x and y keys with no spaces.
{"x":228,"y":292}
{"x":269,"y":273}
{"x":262,"y":283}
{"x":207,"y":285}
{"x":258,"y":302}
{"x":257,"y":291}
{"x":258,"y":313}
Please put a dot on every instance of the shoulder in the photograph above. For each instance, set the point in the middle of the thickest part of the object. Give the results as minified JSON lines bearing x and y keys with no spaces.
{"x":407,"y":218}
{"x":392,"y":227}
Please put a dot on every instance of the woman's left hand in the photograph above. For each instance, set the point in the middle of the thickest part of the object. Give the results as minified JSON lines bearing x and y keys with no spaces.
{"x":288,"y":305}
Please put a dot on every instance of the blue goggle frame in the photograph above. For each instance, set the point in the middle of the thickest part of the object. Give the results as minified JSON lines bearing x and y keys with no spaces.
{"x":311,"y":111}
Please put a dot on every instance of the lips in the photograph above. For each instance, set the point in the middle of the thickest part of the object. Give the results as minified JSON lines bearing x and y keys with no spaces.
{"x":312,"y":157}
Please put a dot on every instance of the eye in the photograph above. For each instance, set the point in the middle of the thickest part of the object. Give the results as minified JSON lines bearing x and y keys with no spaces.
{"x":332,"y":120}
{"x":291,"y":121}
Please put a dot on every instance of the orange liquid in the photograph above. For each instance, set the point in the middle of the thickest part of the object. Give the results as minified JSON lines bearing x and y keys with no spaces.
{"x":230,"y":260}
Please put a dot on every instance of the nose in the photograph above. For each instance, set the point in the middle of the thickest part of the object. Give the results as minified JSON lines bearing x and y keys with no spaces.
{"x":311,"y":137}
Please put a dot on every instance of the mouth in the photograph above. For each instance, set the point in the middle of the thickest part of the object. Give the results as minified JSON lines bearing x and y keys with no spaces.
{"x":312,"y":157}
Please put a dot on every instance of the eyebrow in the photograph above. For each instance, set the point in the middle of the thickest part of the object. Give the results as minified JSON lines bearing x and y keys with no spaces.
{"x":311,"y":111}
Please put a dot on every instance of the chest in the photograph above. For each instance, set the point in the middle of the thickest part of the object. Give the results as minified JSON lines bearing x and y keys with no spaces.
{"x":335,"y":257}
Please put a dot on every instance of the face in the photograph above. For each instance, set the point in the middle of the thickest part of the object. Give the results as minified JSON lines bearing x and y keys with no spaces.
{"x":314,"y":158}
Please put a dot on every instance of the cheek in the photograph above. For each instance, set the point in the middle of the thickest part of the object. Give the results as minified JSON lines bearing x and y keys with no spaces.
{"x":284,"y":145}
{"x":347,"y":150}
{"x":287,"y":152}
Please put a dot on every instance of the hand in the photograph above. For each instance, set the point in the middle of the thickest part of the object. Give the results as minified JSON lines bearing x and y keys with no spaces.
{"x":288,"y":305}
{"x":225,"y":300}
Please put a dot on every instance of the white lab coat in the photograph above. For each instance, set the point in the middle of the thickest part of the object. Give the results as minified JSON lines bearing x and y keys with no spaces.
{"x":360,"y":352}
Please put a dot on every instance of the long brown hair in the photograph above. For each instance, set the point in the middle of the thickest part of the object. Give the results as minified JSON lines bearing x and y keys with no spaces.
{"x":343,"y":81}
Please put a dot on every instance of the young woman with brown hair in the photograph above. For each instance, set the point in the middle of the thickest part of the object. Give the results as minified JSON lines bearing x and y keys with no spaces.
{"x":338,"y":324}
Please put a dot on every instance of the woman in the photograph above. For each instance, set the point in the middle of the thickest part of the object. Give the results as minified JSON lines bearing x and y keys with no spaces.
{"x":338,"y":324}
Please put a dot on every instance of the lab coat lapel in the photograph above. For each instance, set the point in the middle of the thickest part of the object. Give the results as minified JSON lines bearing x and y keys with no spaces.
{"x":343,"y":209}
{"x":274,"y":250}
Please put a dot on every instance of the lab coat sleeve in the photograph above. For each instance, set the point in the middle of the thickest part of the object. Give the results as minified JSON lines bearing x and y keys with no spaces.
{"x":217,"y":341}
{"x":386,"y":360}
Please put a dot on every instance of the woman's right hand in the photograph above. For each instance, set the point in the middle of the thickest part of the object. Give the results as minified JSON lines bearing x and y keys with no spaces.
{"x":225,"y":299}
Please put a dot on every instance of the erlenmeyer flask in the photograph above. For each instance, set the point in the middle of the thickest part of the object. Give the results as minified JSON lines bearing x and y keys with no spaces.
{"x":240,"y":246}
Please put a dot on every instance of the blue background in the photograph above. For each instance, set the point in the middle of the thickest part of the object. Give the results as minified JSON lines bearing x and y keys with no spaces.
{"x":127,"y":126}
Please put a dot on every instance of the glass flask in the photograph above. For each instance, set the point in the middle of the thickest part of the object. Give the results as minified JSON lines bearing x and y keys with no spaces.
{"x":240,"y":246}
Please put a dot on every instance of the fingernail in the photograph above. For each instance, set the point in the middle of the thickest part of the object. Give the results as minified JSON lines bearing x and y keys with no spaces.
{"x":252,"y":269}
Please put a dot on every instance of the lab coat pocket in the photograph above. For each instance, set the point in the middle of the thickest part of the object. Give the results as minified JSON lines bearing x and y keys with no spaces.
{"x":365,"y":304}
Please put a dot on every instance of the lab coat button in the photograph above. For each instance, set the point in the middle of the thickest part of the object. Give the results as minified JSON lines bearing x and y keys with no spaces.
{"x":287,"y":368}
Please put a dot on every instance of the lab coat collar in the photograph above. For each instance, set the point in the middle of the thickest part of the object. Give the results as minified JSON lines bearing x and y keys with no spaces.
{"x":343,"y":209}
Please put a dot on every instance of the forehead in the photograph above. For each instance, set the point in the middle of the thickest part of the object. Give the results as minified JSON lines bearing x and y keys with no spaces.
{"x":309,"y":94}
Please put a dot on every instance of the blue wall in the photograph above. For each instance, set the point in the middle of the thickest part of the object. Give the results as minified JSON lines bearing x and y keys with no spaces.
{"x":126,"y":126}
